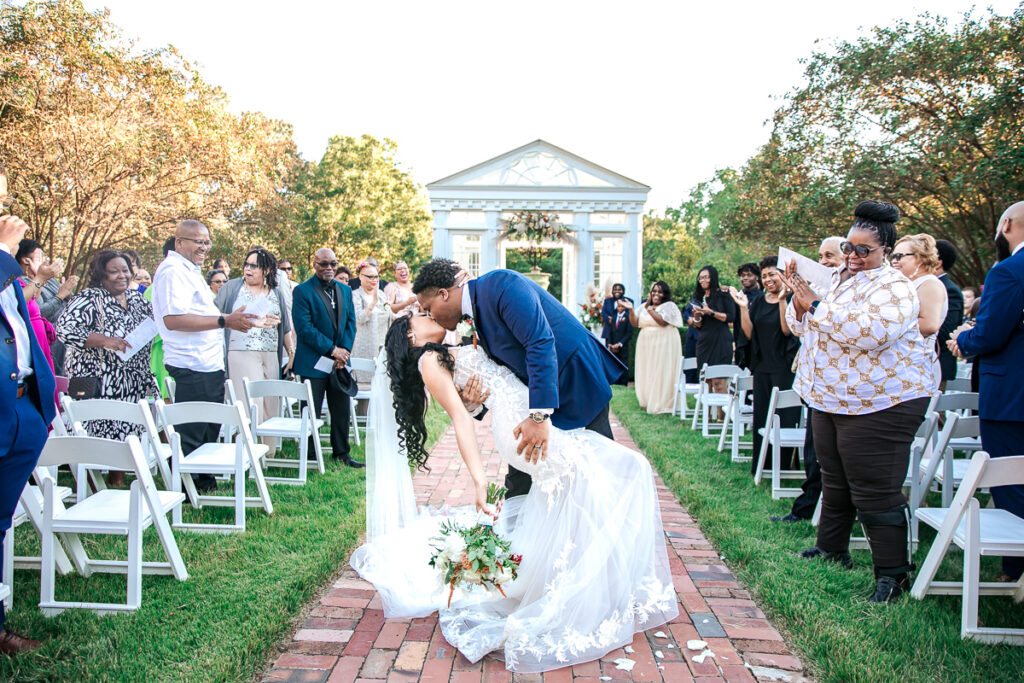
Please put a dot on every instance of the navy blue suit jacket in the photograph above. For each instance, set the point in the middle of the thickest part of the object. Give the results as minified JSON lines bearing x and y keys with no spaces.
{"x":40,"y":383}
{"x":314,"y":331}
{"x":997,"y":339}
{"x":527,"y":330}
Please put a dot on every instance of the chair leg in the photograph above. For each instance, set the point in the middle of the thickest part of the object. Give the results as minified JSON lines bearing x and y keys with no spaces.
{"x":303,"y":452}
{"x":972,"y":567}
{"x":240,"y":494}
{"x":48,"y":570}
{"x":8,"y":566}
{"x":134,"y":567}
{"x":725,"y":426}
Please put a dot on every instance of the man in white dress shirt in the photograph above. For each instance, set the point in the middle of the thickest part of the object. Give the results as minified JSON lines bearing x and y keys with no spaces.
{"x":192,"y":327}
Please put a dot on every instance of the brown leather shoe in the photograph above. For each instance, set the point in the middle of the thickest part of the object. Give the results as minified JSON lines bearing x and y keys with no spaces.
{"x":12,"y":644}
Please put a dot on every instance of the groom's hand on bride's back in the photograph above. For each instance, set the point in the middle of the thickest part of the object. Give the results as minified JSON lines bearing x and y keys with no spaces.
{"x":533,"y":439}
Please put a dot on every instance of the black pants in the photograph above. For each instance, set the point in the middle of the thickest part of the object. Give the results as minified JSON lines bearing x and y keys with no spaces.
{"x":1001,"y":439}
{"x":764,"y":382}
{"x":623,"y":355}
{"x":804,"y":504}
{"x":864,"y":461}
{"x":340,"y":408}
{"x":518,"y":483}
{"x":190,"y":385}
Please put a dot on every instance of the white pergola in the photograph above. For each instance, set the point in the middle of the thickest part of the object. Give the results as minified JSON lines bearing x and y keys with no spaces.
{"x":604,"y":209}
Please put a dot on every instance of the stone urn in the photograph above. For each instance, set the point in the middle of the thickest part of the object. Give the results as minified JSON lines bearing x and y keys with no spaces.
{"x":540,"y":277}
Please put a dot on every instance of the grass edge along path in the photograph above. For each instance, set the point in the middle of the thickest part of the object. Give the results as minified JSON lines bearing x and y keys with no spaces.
{"x":244,"y":593}
{"x":820,"y":609}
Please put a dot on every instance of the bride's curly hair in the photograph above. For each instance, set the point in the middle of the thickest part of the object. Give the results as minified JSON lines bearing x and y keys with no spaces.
{"x":410,"y":396}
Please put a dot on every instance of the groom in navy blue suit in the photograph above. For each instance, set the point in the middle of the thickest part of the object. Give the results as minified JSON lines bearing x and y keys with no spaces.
{"x":521,"y":326}
{"x":997,"y":339}
{"x":26,"y":398}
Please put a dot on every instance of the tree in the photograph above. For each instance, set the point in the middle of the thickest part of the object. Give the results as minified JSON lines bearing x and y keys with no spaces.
{"x":108,"y":146}
{"x":359,"y":202}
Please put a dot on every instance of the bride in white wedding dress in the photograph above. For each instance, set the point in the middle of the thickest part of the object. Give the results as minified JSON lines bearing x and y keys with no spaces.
{"x":594,"y":569}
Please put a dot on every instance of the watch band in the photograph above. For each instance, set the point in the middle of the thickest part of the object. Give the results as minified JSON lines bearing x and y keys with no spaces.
{"x":220,"y":322}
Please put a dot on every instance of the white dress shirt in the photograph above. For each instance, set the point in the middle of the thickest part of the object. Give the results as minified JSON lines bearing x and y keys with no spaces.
{"x":22,"y":342}
{"x":179,"y":289}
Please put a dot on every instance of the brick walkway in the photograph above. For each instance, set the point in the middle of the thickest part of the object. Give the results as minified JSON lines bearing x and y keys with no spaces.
{"x":346,"y":638}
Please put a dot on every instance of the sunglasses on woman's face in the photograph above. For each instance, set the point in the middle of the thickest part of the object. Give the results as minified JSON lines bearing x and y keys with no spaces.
{"x":862,"y":250}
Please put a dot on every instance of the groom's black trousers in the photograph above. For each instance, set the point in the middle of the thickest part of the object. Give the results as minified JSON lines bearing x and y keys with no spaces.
{"x":518,"y":483}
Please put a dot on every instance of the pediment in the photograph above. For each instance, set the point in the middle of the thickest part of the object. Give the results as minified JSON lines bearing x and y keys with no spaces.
{"x":538,"y":164}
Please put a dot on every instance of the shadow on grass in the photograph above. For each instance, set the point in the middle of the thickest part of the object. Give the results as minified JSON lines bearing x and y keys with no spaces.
{"x":242,"y":596}
{"x":821,"y":609}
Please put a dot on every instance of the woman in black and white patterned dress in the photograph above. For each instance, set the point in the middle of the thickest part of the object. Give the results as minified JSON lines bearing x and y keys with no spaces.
{"x":93,"y":326}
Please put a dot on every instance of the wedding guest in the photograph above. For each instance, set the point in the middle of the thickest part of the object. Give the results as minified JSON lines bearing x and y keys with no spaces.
{"x":620,"y":336}
{"x":690,"y":342}
{"x":353,"y":281}
{"x":26,"y":401}
{"x":343,"y":275}
{"x":51,"y":297}
{"x":713,"y":312}
{"x":658,"y":348}
{"x":142,"y":280}
{"x":191,"y":327}
{"x":286,"y":267}
{"x":399,"y":294}
{"x":864,"y":416}
{"x":609,"y":309}
{"x":325,"y":326}
{"x":35,"y":273}
{"x":996,"y":340}
{"x":372,"y":318}
{"x":830,"y":254}
{"x":254,"y":354}
{"x":772,"y":347}
{"x":94,"y":328}
{"x":215,"y":279}
{"x":955,"y":313}
{"x":916,"y":257}
{"x":750,"y":280}
{"x":222,"y":265}
{"x":970,"y":295}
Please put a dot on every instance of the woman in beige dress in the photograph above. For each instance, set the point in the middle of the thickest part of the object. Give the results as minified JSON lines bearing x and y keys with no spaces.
{"x":399,"y":294}
{"x":373,"y":315}
{"x":659,"y":350}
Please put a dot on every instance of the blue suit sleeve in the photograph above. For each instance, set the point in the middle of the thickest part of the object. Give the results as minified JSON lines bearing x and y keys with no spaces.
{"x":302,"y":321}
{"x":521,"y":310}
{"x":348,"y":337}
{"x":998,"y":316}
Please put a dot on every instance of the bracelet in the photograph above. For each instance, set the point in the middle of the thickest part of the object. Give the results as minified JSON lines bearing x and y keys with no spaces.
{"x":37,"y":284}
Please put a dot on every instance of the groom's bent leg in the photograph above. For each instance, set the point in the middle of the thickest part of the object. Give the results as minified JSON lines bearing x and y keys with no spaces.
{"x":601,"y":425}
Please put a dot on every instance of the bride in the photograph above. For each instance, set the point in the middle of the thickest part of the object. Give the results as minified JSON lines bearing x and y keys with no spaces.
{"x":594,"y":569}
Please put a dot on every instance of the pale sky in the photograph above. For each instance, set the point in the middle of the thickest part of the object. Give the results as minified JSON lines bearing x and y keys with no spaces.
{"x":662,"y":92}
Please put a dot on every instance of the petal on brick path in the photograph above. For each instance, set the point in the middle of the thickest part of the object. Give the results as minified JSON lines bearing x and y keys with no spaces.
{"x":370,"y":647}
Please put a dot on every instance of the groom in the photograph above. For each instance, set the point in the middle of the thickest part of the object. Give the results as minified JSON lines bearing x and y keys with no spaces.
{"x":524,"y":328}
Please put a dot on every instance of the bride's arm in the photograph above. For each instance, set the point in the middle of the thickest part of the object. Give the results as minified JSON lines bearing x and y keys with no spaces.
{"x":441,"y":386}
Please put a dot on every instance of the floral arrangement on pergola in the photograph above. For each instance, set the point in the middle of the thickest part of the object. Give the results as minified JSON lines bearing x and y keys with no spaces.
{"x":536,"y":226}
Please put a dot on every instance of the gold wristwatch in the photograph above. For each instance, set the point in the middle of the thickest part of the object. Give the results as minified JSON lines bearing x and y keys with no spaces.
{"x":539,"y":417}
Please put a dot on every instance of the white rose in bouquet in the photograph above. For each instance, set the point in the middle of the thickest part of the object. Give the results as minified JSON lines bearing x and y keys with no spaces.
{"x":454,"y":546}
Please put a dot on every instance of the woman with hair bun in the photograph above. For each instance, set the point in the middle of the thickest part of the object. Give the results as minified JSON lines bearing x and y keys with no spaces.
{"x":867,"y":379}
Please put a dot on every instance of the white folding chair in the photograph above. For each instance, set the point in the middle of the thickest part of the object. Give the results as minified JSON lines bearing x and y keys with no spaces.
{"x":706,"y":399}
{"x":937,"y":464}
{"x":739,"y":418}
{"x":778,"y":437}
{"x":364,"y":365}
{"x":139,"y":413}
{"x":964,"y":369}
{"x":680,"y":401}
{"x":978,"y":532}
{"x":300,"y":428}
{"x":959,"y":385}
{"x":233,"y":460}
{"x":170,"y":385}
{"x":117,"y":512}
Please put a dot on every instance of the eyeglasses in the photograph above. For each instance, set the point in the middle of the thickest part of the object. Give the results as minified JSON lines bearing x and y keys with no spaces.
{"x":327,"y":264}
{"x":862,"y":250}
{"x":218,"y":282}
{"x":287,"y":269}
{"x":199,"y":243}
{"x":250,"y":264}
{"x":896,"y":256}
{"x":371,"y":277}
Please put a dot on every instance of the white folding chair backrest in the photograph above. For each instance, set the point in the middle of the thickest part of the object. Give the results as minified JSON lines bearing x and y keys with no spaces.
{"x":231,"y":415}
{"x":264,"y":388}
{"x":690,"y":363}
{"x":362,"y":364}
{"x":170,"y":386}
{"x":958,"y":385}
{"x":723,"y":371}
{"x":956,"y":402}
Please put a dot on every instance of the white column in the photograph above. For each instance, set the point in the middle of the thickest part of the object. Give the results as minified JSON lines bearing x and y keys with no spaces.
{"x":442,"y":239}
{"x":584,"y":255}
{"x":489,"y":243}
{"x":633,"y":257}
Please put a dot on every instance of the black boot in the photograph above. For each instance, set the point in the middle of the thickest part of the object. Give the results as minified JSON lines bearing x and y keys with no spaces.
{"x":890,"y":585}
{"x":842,"y":559}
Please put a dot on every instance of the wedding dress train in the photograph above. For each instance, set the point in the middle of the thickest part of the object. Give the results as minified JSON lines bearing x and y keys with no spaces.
{"x":594,"y":569}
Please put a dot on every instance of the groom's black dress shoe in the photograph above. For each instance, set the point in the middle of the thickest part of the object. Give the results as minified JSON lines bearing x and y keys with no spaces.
{"x":842,"y":559}
{"x":349,"y":461}
{"x":788,"y":518}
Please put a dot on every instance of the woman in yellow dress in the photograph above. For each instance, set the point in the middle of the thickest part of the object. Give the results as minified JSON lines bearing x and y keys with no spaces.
{"x":659,"y":350}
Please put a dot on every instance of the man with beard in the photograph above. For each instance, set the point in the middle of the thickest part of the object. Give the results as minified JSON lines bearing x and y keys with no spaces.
{"x":997,"y":340}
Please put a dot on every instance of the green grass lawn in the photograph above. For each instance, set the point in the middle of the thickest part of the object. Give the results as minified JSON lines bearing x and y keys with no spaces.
{"x":820,"y":609}
{"x":242,"y":596}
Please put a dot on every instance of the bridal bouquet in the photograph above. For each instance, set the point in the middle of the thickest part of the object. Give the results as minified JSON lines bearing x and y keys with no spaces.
{"x":475,"y":556}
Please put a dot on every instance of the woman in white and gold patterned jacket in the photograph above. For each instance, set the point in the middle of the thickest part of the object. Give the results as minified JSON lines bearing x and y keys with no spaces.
{"x":864,"y":372}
